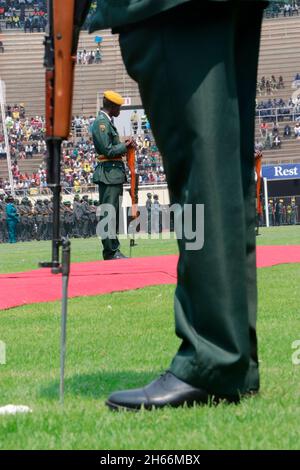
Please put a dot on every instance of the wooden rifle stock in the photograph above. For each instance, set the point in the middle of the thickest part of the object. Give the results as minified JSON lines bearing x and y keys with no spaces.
{"x":133,"y":182}
{"x":63,"y":24}
{"x":60,"y":70}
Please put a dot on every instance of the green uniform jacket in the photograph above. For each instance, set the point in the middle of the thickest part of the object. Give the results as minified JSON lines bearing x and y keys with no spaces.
{"x":115,"y":13}
{"x":107,"y":143}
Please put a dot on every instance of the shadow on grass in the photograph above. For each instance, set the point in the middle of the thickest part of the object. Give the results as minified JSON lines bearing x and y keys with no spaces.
{"x":98,"y":385}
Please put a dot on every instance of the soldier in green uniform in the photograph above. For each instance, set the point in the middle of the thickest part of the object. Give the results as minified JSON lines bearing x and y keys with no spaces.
{"x":92,"y":218}
{"x":196,"y":66}
{"x":85,"y":216}
{"x":110,"y":171}
{"x":68,"y":218}
{"x":77,"y":210}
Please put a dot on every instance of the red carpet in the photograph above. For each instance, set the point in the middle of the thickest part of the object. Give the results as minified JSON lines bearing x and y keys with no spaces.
{"x":102,"y":277}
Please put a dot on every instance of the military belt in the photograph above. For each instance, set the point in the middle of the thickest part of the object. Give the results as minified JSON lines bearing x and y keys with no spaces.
{"x":102,"y":159}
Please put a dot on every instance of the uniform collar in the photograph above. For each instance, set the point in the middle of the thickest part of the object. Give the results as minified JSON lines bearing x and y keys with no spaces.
{"x":106,"y":115}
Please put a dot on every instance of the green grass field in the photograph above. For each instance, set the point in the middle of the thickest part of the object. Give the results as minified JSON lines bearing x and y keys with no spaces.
{"x":124,"y":340}
{"x":25,"y":256}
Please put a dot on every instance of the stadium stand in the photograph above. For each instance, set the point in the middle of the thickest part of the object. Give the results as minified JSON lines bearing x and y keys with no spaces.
{"x":279,"y":56}
{"x":22,"y":70}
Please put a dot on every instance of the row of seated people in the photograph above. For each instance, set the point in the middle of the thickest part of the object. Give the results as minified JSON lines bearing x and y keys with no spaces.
{"x":278,"y":109}
{"x":31,"y":24}
{"x":16,"y":17}
{"x":72,"y":181}
{"x":23,"y":130}
{"x":271,"y":136}
{"x":16,"y":13}
{"x":275,"y":129}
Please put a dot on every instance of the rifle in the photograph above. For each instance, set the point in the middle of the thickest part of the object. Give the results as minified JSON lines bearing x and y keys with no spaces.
{"x":133,"y":190}
{"x":259,"y":210}
{"x":65,"y":19}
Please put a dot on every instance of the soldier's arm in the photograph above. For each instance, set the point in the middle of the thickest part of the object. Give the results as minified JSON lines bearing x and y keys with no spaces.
{"x":102,"y":141}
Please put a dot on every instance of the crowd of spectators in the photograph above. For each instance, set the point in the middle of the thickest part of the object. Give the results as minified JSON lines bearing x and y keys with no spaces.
{"x":30,"y":15}
{"x":27,"y":140}
{"x":282,"y":9}
{"x":26,"y":135}
{"x":23,"y":8}
{"x":278,"y":109}
{"x":272,"y":134}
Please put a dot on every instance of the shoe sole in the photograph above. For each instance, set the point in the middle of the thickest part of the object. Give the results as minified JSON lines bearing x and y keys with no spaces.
{"x":115,"y":407}
{"x":211,"y":401}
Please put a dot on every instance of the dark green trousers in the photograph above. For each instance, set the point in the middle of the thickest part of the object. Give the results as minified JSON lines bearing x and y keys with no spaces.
{"x":196,"y":69}
{"x":111,"y":194}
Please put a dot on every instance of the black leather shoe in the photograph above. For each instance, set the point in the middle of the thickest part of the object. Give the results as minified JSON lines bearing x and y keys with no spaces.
{"x":116,"y":255}
{"x":167,"y":390}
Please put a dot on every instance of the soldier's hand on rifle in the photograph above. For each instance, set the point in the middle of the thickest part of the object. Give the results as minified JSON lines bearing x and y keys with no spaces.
{"x":130,"y":143}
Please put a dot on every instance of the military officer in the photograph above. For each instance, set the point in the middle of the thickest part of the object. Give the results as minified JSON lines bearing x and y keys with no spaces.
{"x":110,"y":171}
{"x":92,"y":218}
{"x":69,"y":218}
{"x":85,"y":216}
{"x":38,"y":213}
{"x":49,"y":229}
{"x":194,"y":91}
